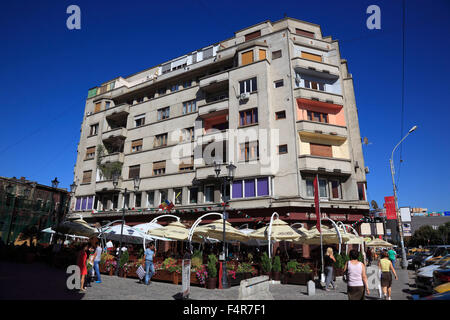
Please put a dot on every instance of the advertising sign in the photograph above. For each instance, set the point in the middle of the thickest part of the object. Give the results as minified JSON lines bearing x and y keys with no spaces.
{"x":186,"y":277}
{"x":390,"y":208}
{"x":405,"y":213}
{"x":365,"y":229}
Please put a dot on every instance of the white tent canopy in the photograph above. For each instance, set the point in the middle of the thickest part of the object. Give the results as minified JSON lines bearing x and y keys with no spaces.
{"x":129,"y":235}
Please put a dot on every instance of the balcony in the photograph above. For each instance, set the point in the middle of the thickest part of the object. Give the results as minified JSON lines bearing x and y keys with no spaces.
{"x":215,"y":82}
{"x":117,"y":112}
{"x":322,"y":130}
{"x":333,"y":166}
{"x":316,"y":69}
{"x":115,"y":135}
{"x":106,"y":185}
{"x":214,"y":108}
{"x":113,"y":157}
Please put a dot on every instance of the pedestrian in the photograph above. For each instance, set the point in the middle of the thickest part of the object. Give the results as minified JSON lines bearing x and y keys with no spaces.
{"x":81,"y":261}
{"x":357,"y":278}
{"x":97,"y":258}
{"x":329,"y":261}
{"x":385,"y":265}
{"x":369,"y":256}
{"x":90,"y":266}
{"x":392,"y":256}
{"x":148,"y":258}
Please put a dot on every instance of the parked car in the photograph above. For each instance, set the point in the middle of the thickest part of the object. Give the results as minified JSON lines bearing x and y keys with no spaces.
{"x":442,"y":288}
{"x":438,"y":253}
{"x":437,"y":296}
{"x":424,"y":275}
{"x":442,"y":274}
{"x":418,"y":260}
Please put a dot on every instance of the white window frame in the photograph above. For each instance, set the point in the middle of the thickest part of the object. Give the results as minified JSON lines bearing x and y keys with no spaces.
{"x":204,"y":193}
{"x":150,"y":205}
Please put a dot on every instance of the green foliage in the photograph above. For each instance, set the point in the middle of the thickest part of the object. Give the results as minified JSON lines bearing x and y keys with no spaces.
{"x":266,"y":264}
{"x":196,"y":262}
{"x":124,"y":258}
{"x":109,"y":168}
{"x":250,"y":258}
{"x":244,"y":267}
{"x":276,"y":266}
{"x":361,"y":257}
{"x":294,"y":267}
{"x":212,"y":266}
{"x":197,"y":254}
{"x":340,"y":261}
{"x":426,"y":235}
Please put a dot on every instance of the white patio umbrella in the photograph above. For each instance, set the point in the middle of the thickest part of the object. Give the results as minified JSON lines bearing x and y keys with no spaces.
{"x":77,"y":227}
{"x":145,"y":227}
{"x":129,"y":235}
{"x":215,"y":230}
{"x":252,"y":242}
{"x":280,"y":231}
{"x":379,"y":243}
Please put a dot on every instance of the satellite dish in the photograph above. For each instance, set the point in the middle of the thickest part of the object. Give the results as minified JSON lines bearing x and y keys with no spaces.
{"x":374,"y":204}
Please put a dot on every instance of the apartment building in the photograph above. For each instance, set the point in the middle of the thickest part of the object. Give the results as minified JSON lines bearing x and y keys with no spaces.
{"x":276,"y":100}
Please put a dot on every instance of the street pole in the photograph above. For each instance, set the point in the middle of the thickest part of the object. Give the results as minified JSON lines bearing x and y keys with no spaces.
{"x":404,"y":264}
{"x":224,"y":274}
{"x":121,"y":232}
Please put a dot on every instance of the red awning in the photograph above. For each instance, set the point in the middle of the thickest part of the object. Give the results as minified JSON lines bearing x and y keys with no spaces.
{"x":312,"y":104}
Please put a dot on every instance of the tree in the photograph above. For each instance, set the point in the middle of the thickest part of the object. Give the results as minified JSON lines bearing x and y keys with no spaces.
{"x":426,"y":235}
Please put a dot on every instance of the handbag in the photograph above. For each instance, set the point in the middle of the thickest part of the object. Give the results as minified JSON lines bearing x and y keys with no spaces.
{"x":345,"y":275}
{"x":140,"y":272}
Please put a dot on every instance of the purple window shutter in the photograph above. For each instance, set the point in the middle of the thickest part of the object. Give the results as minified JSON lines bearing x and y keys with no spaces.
{"x":90,"y":201}
{"x":263,"y":186}
{"x":78,"y":204}
{"x":237,"y":189}
{"x":83,"y":203}
{"x":250,"y":188}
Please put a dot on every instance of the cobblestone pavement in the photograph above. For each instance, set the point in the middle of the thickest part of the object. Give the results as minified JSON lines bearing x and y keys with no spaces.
{"x":39,"y":281}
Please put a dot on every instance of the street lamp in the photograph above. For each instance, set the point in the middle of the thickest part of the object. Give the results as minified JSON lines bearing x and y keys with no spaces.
{"x":55,"y":183}
{"x":228,"y":178}
{"x":136,"y":181}
{"x":399,"y":218}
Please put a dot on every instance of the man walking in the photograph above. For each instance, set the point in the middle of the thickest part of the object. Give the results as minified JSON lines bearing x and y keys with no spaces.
{"x":392,"y":254}
{"x":148,"y":257}
{"x":97,"y":257}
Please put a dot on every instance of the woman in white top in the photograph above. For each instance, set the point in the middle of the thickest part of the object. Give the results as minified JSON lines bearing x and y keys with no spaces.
{"x":357,"y":278}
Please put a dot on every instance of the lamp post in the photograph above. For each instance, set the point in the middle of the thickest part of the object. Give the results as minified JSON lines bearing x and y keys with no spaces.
{"x":136,"y":181}
{"x":228,"y":178}
{"x":399,"y":218}
{"x":55,"y":183}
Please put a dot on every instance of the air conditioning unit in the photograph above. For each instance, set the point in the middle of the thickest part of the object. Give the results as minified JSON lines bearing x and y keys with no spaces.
{"x":89,"y":113}
{"x":244,"y":96}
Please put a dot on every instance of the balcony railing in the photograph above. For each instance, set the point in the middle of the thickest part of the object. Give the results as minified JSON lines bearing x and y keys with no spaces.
{"x":115,"y":134}
{"x":315,"y":68}
{"x":216,"y":107}
{"x":323,"y":130}
{"x":317,"y":164}
{"x":122,"y":109}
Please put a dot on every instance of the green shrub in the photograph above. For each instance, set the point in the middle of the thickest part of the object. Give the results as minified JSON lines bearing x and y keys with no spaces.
{"x":124,"y":258}
{"x":266,"y":264}
{"x":212,"y":266}
{"x":340,"y":261}
{"x":361,"y":257}
{"x":276,"y":266}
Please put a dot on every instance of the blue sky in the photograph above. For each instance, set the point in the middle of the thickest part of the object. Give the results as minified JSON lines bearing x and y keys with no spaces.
{"x":46,"y":71}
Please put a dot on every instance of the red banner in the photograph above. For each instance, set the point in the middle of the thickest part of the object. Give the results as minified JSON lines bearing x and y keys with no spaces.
{"x":316,"y":201}
{"x":391,"y":213}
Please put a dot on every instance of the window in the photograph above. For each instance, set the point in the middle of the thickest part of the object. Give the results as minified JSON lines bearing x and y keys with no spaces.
{"x":139,"y":120}
{"x":160,"y":140}
{"x":237,"y":189}
{"x":335,"y":189}
{"x":187,"y":134}
{"x":310,"y":188}
{"x":98,"y":107}
{"x":278,"y":83}
{"x":94,"y":130}
{"x":186,"y":164}
{"x":263,"y":186}
{"x":317,"y":116}
{"x":276,"y":54}
{"x":163,"y":196}
{"x":249,"y":151}
{"x":361,"y":191}
{"x":187,"y":84}
{"x":87,"y":176}
{"x":90,"y":153}
{"x":193,"y":195}
{"x":189,"y":106}
{"x":323,"y":190}
{"x":280,"y":115}
{"x":247,"y":57}
{"x":314,"y":85}
{"x":311,"y":56}
{"x":209,"y":193}
{"x":163,"y":113}
{"x":321,"y":150}
{"x":248,"y":85}
{"x":178,"y":194}
{"x":249,"y":188}
{"x":174,"y":87}
{"x":253,"y":35}
{"x":150,"y":198}
{"x":248,"y":117}
{"x":137,"y":200}
{"x":282,"y":149}
{"x":134,"y":172}
{"x":159,"y":168}
{"x":304,"y":33}
{"x":136,"y":145}
{"x":107,"y":105}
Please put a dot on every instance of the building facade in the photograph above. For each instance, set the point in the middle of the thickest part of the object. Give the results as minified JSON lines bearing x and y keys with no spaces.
{"x":27,"y":205}
{"x":276,"y":100}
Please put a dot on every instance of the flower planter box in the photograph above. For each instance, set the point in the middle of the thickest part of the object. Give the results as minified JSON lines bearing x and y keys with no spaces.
{"x":194,"y":280}
{"x":164,"y":275}
{"x":297,"y":278}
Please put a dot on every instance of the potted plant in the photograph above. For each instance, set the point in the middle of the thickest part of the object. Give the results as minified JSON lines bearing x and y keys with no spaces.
{"x":276,"y":268}
{"x":212,"y":272}
{"x":202,"y":275}
{"x":297,"y":273}
{"x":123,"y":260}
{"x":266,"y":265}
{"x":339,"y":265}
{"x":110,"y":266}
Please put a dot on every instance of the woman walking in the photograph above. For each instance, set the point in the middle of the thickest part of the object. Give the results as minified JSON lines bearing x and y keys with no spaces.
{"x":357,"y":278}
{"x":82,"y":257}
{"x":329,"y":261}
{"x":386,"y":267}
